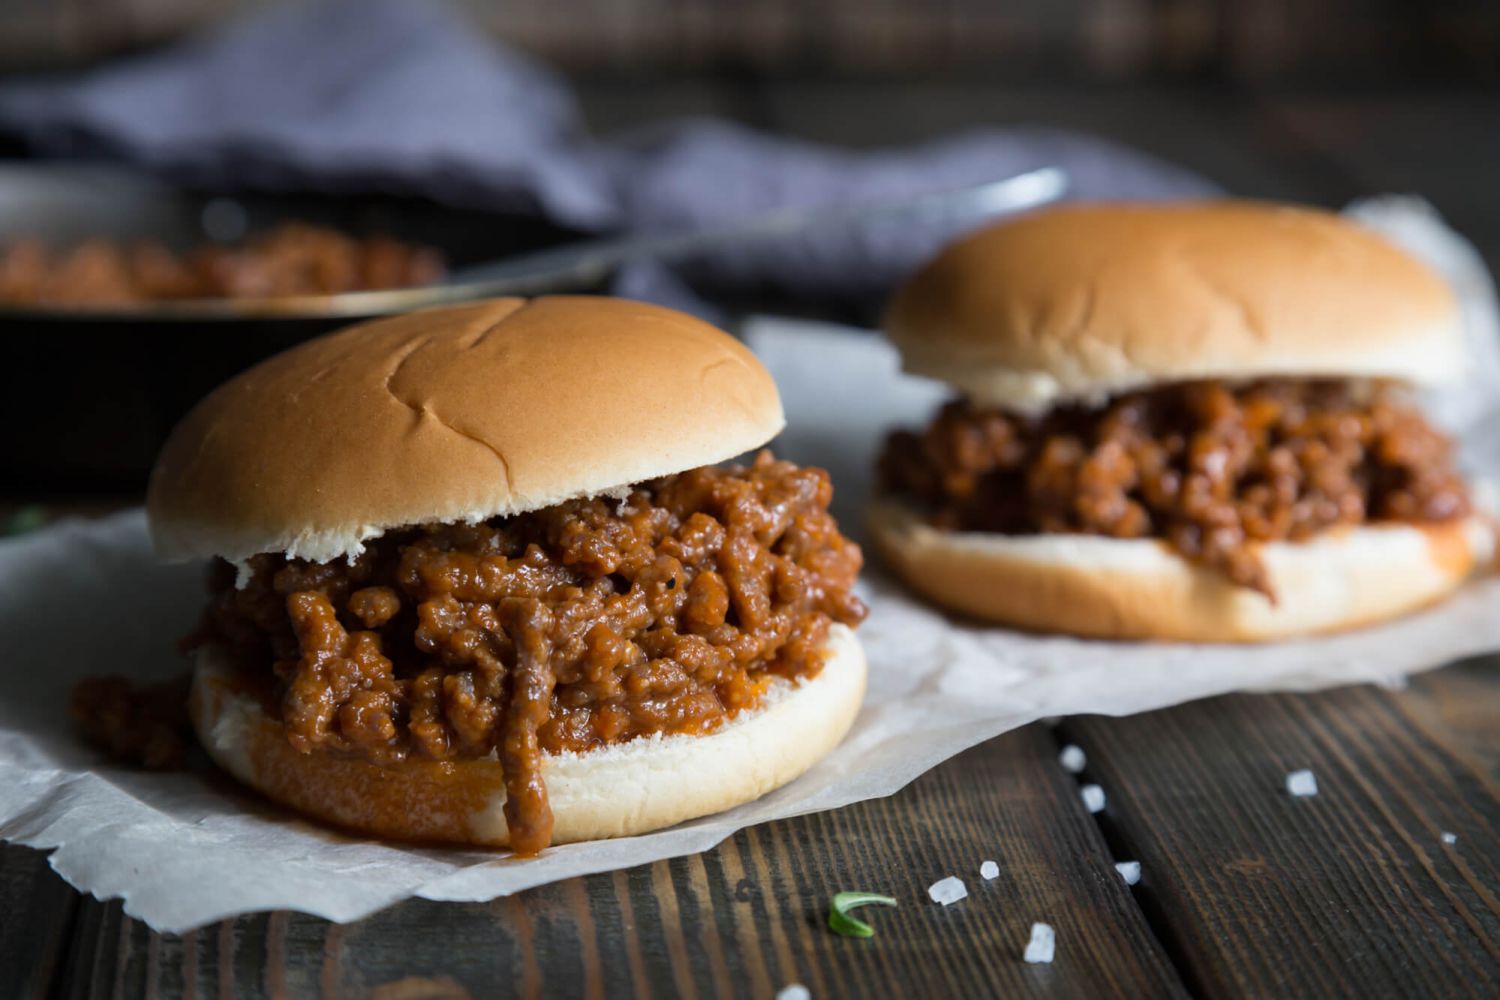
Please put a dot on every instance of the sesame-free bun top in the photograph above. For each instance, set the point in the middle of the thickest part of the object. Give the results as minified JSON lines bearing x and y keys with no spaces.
{"x":1084,"y":301}
{"x":460,"y":413}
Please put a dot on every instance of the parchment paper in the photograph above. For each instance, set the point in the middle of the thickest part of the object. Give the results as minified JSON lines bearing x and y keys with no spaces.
{"x":186,"y":849}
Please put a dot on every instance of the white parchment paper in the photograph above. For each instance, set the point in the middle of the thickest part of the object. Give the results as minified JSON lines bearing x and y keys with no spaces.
{"x":186,"y":849}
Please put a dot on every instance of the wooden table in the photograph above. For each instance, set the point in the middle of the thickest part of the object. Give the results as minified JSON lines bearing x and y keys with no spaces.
{"x":1246,"y":891}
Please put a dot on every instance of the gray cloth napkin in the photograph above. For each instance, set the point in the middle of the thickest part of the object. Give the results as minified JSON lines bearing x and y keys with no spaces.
{"x":389,"y":95}
{"x":701,"y":174}
{"x":333,"y":95}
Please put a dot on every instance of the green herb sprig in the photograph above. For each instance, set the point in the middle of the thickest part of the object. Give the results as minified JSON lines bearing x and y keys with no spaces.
{"x":839,"y":920}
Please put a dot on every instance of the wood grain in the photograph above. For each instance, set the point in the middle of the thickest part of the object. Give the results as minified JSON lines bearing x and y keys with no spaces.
{"x":36,"y":912}
{"x":742,"y":920}
{"x":1246,"y":891}
{"x":1351,"y":892}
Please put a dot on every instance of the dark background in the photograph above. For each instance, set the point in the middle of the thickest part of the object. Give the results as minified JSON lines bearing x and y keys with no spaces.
{"x":1257,"y":43}
{"x":1320,"y":100}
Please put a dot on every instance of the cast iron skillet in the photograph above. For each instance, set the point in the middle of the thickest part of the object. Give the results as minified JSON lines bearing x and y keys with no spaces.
{"x":87,"y":395}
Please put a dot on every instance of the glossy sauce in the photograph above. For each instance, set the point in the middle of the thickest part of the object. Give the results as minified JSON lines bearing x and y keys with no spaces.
{"x":585,"y":624}
{"x":1212,"y":469}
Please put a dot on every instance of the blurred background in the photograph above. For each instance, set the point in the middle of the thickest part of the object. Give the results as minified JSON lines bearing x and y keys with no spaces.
{"x":1313,"y":99}
{"x":1250,"y":42}
{"x":488,"y":129}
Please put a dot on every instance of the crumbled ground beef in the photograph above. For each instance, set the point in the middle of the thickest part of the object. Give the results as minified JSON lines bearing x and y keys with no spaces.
{"x":139,"y":724}
{"x":584,"y":624}
{"x":1208,"y":467}
{"x":292,"y":259}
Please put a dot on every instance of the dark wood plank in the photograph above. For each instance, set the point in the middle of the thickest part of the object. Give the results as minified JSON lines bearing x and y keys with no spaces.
{"x":36,"y":913}
{"x":744,"y":919}
{"x":1351,"y":892}
{"x":1456,"y":706}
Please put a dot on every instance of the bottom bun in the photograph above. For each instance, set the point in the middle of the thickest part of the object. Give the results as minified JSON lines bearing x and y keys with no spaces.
{"x":1107,"y":588}
{"x":615,"y":791}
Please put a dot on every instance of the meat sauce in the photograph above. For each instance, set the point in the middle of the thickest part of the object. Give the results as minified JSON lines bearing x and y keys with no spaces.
{"x":292,"y":259}
{"x":581,"y":625}
{"x":143,"y":724}
{"x":1211,"y":468}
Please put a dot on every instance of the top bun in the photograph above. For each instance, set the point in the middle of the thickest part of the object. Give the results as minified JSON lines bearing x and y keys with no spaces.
{"x":461,"y":413}
{"x":1082,"y":302}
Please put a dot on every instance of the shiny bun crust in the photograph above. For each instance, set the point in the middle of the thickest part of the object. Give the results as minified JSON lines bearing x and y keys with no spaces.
{"x":1107,"y":588}
{"x":1085,"y":301}
{"x":460,"y":413}
{"x":618,"y":791}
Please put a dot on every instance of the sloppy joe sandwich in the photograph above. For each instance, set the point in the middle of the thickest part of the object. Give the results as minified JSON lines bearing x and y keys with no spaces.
{"x":1188,"y":421}
{"x":479,"y":579}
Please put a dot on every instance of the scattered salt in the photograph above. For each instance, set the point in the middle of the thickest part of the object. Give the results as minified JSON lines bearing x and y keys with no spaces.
{"x":948,"y":890}
{"x":796,"y":991}
{"x":991,"y":870}
{"x":1093,"y":798}
{"x":1450,"y":838}
{"x":1072,"y":759}
{"x":1130,"y":871}
{"x":1301,"y":783}
{"x":1042,"y":946}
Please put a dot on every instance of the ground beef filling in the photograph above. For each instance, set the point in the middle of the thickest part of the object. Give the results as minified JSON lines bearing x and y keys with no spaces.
{"x":292,"y":259}
{"x":142,"y":724}
{"x":1210,"y":468}
{"x":585,"y":624}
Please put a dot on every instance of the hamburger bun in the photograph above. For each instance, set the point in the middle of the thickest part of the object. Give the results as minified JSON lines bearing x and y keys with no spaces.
{"x":1107,"y":588}
{"x":615,"y":791}
{"x":454,"y":414}
{"x":1084,"y":301}
{"x":464,"y":414}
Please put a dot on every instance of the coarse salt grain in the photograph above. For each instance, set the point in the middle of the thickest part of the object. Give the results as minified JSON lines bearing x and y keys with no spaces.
{"x":1093,"y":798}
{"x":1072,"y":759}
{"x":1301,"y":783}
{"x":991,"y":870}
{"x":1450,"y":838}
{"x":1042,"y":946}
{"x":796,"y":991}
{"x":948,"y":890}
{"x":1130,"y":871}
